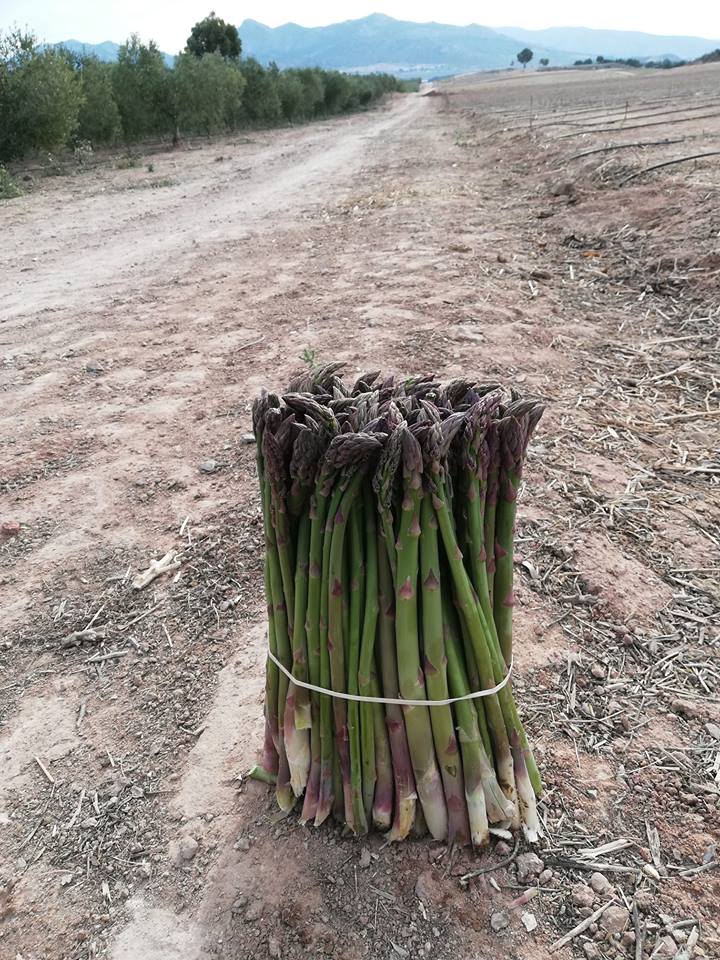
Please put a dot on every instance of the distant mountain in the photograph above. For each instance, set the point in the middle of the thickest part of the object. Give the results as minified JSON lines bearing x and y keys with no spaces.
{"x":106,"y":51}
{"x":379,"y":42}
{"x":614,"y":43}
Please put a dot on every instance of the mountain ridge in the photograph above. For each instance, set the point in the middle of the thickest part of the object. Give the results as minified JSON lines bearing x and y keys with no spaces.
{"x":433,"y":49}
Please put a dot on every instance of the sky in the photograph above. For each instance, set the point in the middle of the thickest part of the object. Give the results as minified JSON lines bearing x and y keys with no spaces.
{"x":169,"y":21}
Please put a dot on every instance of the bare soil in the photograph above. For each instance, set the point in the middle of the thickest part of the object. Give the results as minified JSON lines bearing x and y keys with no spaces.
{"x":457,"y":234}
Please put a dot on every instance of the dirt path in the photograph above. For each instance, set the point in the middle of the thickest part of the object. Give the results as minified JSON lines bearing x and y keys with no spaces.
{"x":141,"y":312}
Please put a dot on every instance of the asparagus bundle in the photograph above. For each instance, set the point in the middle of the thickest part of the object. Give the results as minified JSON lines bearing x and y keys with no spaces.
{"x":389,"y":510}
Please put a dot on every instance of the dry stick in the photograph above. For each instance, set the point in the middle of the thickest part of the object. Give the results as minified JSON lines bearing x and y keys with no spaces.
{"x":580,"y":927}
{"x":669,"y":163}
{"x":622,"y":146}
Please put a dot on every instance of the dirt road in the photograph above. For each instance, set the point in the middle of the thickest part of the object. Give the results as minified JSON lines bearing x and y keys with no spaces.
{"x":142,"y":308}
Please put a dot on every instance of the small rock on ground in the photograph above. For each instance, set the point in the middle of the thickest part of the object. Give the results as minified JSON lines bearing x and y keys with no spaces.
{"x":582,"y":895}
{"x":499,"y":920}
{"x":187,"y":848}
{"x":600,"y":883}
{"x":529,"y":866}
{"x":615,"y":920}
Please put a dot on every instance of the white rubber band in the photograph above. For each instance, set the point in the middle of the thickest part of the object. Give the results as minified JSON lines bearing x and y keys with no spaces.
{"x":396,"y":700}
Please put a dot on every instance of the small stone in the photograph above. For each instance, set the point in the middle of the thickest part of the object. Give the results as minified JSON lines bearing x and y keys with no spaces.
{"x":615,"y":920}
{"x":644,"y":900}
{"x":529,"y":921}
{"x":274,"y":947}
{"x":545,"y":877}
{"x":502,"y":849}
{"x":425,"y":887}
{"x":597,"y":670}
{"x":600,"y":884}
{"x":254,"y":911}
{"x":529,"y":866}
{"x":582,"y":895}
{"x":499,"y":920}
{"x":188,"y":847}
{"x":665,"y":947}
{"x":209,"y":466}
{"x":145,"y":869}
{"x":94,"y":367}
{"x":137,"y":792}
{"x":591,"y":950}
{"x":247,"y":438}
{"x":242,"y":843}
{"x":686,"y":709}
{"x":10,"y":528}
{"x":712,"y":728}
{"x":365,"y":859}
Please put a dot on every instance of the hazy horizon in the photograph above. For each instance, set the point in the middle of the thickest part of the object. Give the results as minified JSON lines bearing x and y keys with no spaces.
{"x":169,"y":24}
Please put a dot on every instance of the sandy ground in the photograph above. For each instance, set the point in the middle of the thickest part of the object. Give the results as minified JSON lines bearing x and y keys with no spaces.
{"x":140,"y":312}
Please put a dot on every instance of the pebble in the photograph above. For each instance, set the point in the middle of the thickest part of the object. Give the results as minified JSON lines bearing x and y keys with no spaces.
{"x":209,"y":466}
{"x":254,"y":911}
{"x":242,"y":843}
{"x":424,"y":887}
{"x":499,"y":920}
{"x":11,"y":528}
{"x":598,"y":671}
{"x":582,"y":895}
{"x":529,"y":921}
{"x":365,"y":859}
{"x":666,"y":947}
{"x":591,"y":950}
{"x":545,"y":877}
{"x":94,"y":367}
{"x":273,"y":947}
{"x":686,"y":709}
{"x":600,"y":883}
{"x":188,"y":847}
{"x":502,"y":849}
{"x":529,"y":866}
{"x":614,"y":920}
{"x":644,"y":900}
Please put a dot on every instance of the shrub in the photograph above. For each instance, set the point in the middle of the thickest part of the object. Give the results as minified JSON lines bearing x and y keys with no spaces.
{"x":40,"y":97}
{"x":8,"y":188}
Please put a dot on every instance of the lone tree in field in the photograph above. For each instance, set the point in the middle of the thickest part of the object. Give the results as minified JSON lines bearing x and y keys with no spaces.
{"x":213,"y":35}
{"x":525,"y":56}
{"x":544,"y":61}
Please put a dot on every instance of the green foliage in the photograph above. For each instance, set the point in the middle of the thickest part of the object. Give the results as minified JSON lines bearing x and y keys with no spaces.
{"x":525,"y":56}
{"x":207,"y":93}
{"x":8,"y":188}
{"x":142,"y":90}
{"x":308,"y":357}
{"x":40,"y":96}
{"x":261,"y":102}
{"x":544,"y":61}
{"x":213,"y":35}
{"x":54,"y":98}
{"x":99,"y":118}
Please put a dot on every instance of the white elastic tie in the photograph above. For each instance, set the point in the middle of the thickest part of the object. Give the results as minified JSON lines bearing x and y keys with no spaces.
{"x":402,"y":703}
